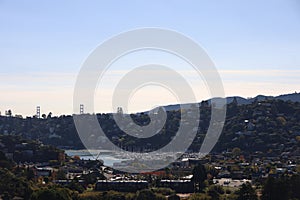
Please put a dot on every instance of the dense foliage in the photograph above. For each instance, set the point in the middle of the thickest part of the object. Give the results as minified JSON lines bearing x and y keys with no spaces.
{"x":283,"y":188}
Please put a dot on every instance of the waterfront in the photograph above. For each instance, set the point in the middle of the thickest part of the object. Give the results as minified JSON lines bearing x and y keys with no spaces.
{"x":108,"y":157}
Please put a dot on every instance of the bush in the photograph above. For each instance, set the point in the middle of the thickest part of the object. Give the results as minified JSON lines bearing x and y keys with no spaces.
{"x":14,"y":186}
{"x":145,"y":195}
{"x":246,"y":192}
{"x":90,"y":196}
{"x":173,"y":197}
{"x":112,"y":195}
{"x":130,"y":196}
{"x":51,"y":194}
{"x":163,"y":191}
{"x":219,"y":189}
{"x":281,"y":188}
{"x":228,"y":191}
{"x":199,"y":196}
{"x":76,"y":187}
{"x":149,"y":195}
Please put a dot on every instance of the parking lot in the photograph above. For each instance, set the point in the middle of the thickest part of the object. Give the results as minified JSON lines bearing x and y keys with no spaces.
{"x":230,"y":182}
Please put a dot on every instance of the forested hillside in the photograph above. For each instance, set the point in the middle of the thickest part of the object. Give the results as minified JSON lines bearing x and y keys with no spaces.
{"x":270,"y":126}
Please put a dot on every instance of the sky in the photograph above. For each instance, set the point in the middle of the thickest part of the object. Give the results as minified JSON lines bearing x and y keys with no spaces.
{"x":255,"y":46}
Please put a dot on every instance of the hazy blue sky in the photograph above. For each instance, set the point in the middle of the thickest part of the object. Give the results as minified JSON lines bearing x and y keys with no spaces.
{"x":255,"y":45}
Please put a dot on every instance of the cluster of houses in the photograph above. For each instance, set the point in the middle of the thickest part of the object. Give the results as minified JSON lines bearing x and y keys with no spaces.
{"x":227,"y":169}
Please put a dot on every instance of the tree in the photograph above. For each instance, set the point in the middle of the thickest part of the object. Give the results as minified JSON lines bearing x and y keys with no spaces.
{"x":75,"y":186}
{"x":145,"y":195}
{"x":92,"y":177}
{"x":46,"y":180}
{"x":30,"y":174}
{"x":52,"y":194}
{"x":4,"y":162}
{"x":44,"y":116}
{"x":8,"y":113}
{"x":233,"y":108}
{"x":213,"y":194}
{"x":120,"y":110}
{"x":272,"y":191}
{"x":148,"y":194}
{"x":294,"y":189}
{"x":283,"y":188}
{"x":199,"y":196}
{"x":60,"y":175}
{"x":168,"y":172}
{"x":246,"y":192}
{"x":234,"y":101}
{"x":173,"y":197}
{"x":49,"y":115}
{"x":199,"y":176}
{"x":236,"y":151}
{"x":13,"y":185}
{"x":6,"y":196}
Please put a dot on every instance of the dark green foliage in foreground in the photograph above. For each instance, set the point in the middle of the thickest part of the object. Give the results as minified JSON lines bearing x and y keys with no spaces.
{"x":246,"y":192}
{"x":149,"y":195}
{"x":284,"y":188}
{"x":215,"y":192}
{"x":199,"y":176}
{"x":163,"y":191}
{"x":199,"y":196}
{"x":52,"y":194}
{"x":110,"y":195}
{"x":13,"y":185}
{"x":75,"y":186}
{"x":173,"y":197}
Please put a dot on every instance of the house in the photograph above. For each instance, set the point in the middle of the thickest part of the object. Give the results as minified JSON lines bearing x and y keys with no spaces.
{"x":43,"y":171}
{"x":72,"y":173}
{"x":224,"y":174}
{"x":238,"y":175}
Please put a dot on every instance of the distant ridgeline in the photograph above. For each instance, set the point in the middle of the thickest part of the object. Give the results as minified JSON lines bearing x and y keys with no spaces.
{"x":266,"y":124}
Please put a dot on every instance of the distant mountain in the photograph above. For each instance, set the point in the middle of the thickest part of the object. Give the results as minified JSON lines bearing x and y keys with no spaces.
{"x":294,"y":97}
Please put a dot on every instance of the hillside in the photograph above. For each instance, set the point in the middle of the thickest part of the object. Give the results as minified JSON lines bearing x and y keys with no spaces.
{"x":267,"y":125}
{"x":294,"y":97}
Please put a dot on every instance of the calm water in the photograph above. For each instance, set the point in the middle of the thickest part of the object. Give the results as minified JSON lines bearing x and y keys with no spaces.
{"x":108,"y":157}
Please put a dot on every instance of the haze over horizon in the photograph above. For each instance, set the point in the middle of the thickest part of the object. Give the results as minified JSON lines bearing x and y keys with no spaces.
{"x":132,"y":112}
{"x":255,"y":47}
